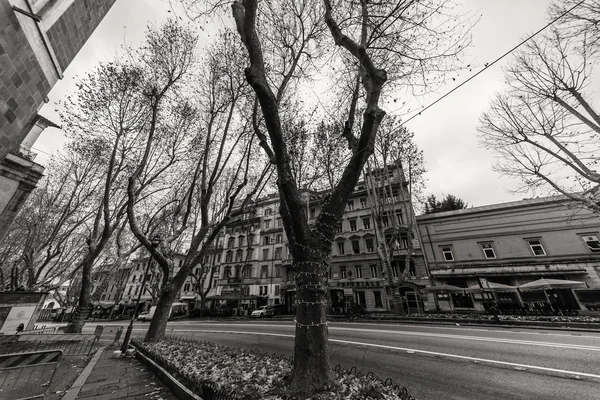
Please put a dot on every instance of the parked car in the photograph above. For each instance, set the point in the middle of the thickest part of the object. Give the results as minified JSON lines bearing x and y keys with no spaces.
{"x":263,"y":311}
{"x":147,"y":315}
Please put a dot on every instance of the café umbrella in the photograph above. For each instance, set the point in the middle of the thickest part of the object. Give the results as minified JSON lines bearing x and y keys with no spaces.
{"x":549,"y":284}
{"x":491,"y":287}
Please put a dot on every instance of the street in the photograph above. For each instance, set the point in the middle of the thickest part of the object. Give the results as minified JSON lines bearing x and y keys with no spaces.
{"x":434,"y":361}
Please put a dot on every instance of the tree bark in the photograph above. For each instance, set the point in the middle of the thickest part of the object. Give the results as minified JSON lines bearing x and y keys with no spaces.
{"x":312,"y":368}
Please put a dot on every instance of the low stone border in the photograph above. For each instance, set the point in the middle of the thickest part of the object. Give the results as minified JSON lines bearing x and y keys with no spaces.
{"x":169,"y":380}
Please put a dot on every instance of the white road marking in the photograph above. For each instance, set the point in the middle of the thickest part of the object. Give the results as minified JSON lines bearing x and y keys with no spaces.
{"x":436,"y":335}
{"x":432,"y":353}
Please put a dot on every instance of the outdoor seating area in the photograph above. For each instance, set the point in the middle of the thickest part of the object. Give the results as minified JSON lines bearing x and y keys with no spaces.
{"x":544,"y":296}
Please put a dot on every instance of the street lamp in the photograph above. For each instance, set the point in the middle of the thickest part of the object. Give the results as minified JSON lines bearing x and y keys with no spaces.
{"x":155,"y":241}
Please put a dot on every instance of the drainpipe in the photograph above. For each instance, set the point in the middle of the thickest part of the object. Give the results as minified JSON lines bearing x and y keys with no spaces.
{"x":435,"y":299}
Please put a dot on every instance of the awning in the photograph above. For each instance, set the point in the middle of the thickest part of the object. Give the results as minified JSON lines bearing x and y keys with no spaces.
{"x":188,"y":297}
{"x":232,"y":296}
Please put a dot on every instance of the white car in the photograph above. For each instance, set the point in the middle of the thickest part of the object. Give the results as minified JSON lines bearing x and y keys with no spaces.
{"x":144,"y":317}
{"x":262,"y":311}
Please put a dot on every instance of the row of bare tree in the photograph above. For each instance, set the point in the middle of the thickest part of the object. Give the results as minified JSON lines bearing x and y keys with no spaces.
{"x":163,"y":141}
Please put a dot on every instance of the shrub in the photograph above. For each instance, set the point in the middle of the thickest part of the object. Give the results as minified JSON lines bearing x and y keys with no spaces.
{"x":242,"y":374}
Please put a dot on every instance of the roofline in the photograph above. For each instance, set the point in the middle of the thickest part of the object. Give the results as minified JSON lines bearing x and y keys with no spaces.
{"x":495,"y":207}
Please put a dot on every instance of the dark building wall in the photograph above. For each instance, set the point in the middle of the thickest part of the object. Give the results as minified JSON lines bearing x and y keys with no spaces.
{"x":23,"y":84}
{"x":75,"y":26}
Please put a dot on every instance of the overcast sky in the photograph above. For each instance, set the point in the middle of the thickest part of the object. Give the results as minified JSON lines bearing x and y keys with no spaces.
{"x":455,"y":162}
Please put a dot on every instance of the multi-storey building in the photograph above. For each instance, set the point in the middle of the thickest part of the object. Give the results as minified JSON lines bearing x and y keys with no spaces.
{"x":38,"y":40}
{"x":253,"y":263}
{"x":513,"y":243}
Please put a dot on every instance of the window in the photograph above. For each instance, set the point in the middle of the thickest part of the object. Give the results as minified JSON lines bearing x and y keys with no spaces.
{"x":219,"y":257}
{"x":278,"y":253}
{"x":536,"y":247}
{"x":447,"y":253}
{"x":267,"y":211}
{"x":247,"y":271}
{"x":276,"y":290}
{"x":377,"y":295}
{"x":241,"y":241}
{"x":341,"y":248}
{"x":267,"y":224}
{"x":355,"y":247}
{"x":266,"y":240}
{"x":363,"y":202}
{"x":230,"y":243}
{"x":186,"y":287}
{"x":592,"y":242}
{"x":343,"y":272}
{"x":279,"y":222}
{"x":404,"y":241}
{"x":358,"y":269}
{"x":133,"y":278}
{"x":278,"y":271}
{"x":103,"y":297}
{"x":399,"y":216}
{"x":180,"y":263}
{"x":227,"y":272}
{"x":370,"y":247}
{"x":129,"y":291}
{"x":264,"y":271}
{"x":395,"y":270}
{"x":488,"y":250}
{"x":374,"y":271}
{"x":313,"y":212}
{"x":340,"y":227}
{"x":366,"y":223}
{"x":265,"y":254}
{"x":350,"y":205}
{"x":385,"y":221}
{"x":229,"y":257}
{"x":412,"y":268}
{"x":264,"y":290}
{"x":278,"y":238}
{"x":249,"y":253}
{"x":246,"y":290}
{"x":352,"y":225}
{"x":238,"y":256}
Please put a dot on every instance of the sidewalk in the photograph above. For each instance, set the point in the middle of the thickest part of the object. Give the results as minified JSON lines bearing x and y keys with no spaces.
{"x":107,"y":378}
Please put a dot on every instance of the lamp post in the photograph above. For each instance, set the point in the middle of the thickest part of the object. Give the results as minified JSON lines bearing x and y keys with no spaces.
{"x":155,"y":242}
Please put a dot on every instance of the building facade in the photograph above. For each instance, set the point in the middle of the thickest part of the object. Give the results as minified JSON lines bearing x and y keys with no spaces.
{"x":513,"y":243}
{"x":253,"y":262}
{"x":38,"y":40}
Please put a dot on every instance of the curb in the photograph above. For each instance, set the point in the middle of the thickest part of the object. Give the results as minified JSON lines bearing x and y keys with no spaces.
{"x":169,"y":380}
{"x":505,"y":324}
{"x":76,"y":387}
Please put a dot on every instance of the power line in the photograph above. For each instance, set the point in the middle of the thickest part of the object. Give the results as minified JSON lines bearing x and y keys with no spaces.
{"x":495,"y":61}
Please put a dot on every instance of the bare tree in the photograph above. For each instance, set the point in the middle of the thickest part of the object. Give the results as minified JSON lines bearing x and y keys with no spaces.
{"x":50,"y":230}
{"x":391,"y":195}
{"x":545,"y":128}
{"x":120,"y":103}
{"x":384,"y":40}
{"x":213,"y":187}
{"x":579,"y":21}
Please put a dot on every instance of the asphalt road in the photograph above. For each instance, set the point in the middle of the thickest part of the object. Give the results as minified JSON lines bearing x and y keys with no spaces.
{"x":436,"y":361}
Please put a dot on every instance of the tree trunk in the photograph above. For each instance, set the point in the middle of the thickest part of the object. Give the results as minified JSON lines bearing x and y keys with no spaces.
{"x":158,"y":323}
{"x":311,"y":372}
{"x":84,"y":305}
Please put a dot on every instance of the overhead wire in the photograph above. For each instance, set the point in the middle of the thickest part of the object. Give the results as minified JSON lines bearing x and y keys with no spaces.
{"x":496,"y":60}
